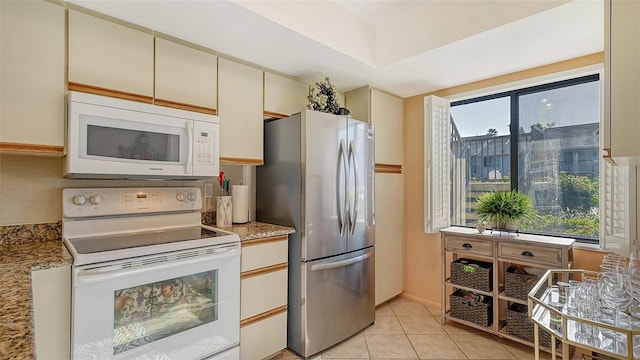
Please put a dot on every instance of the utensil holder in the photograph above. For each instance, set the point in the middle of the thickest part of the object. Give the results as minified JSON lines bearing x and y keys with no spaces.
{"x":224,"y":211}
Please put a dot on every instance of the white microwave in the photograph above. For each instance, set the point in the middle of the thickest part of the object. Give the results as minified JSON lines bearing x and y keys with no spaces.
{"x":110,"y":138}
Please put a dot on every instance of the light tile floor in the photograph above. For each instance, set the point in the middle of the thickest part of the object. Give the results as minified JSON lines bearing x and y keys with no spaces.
{"x":405,"y":329}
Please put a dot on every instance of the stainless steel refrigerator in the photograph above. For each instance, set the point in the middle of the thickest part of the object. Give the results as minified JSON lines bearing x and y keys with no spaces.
{"x":318,"y":176}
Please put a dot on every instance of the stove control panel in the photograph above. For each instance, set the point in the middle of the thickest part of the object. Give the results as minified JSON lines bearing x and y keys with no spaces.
{"x":85,"y":202}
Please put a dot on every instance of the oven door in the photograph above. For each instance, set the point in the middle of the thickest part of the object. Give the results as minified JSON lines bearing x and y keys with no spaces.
{"x":180,"y":305}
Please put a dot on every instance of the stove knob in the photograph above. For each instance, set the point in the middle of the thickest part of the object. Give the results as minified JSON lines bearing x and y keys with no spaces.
{"x":191,"y":196}
{"x":79,"y":200}
{"x":95,"y":199}
{"x":180,"y":197}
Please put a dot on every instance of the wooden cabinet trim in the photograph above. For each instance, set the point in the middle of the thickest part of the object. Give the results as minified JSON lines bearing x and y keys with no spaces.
{"x":264,"y":270}
{"x":188,"y":107}
{"x":264,"y":315}
{"x":388,"y":168}
{"x":271,"y":239}
{"x":240,"y":161}
{"x":109,"y":92}
{"x":32,"y":148}
{"x":274,"y":115}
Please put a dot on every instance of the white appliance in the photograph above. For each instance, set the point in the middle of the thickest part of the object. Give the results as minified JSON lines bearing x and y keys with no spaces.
{"x":318,"y":176}
{"x":149,"y":281}
{"x":110,"y":138}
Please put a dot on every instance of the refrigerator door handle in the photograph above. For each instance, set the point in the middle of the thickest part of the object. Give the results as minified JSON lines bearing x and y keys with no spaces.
{"x":353,"y":215}
{"x":342,"y":164}
{"x":341,"y":263}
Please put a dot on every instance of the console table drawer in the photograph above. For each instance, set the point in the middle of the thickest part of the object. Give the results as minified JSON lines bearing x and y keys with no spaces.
{"x":473,"y":246}
{"x":532,"y":254}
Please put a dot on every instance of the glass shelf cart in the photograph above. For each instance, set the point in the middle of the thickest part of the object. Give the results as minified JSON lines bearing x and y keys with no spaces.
{"x":555,"y":313}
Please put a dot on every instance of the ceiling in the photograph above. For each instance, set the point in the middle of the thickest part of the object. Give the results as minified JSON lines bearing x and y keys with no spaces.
{"x":405,"y":47}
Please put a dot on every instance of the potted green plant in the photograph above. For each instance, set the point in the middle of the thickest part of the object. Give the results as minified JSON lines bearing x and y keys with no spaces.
{"x":503,"y":210}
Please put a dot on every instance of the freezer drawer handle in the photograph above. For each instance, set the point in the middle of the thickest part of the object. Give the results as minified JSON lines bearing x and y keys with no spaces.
{"x":341,"y":263}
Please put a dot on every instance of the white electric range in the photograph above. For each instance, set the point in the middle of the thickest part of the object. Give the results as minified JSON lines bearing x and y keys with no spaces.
{"x":149,"y":280}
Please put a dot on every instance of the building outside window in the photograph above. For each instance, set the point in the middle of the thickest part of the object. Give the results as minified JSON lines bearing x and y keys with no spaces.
{"x":543,"y":141}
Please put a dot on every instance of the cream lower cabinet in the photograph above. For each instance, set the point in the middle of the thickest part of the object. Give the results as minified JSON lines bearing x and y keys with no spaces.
{"x":263,"y":293}
{"x":389,"y":230}
{"x":52,"y":312}
{"x":32,"y":58}
{"x":240,"y":110}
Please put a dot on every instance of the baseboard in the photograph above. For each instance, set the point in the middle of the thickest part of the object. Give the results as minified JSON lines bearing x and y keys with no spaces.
{"x":420,"y":300}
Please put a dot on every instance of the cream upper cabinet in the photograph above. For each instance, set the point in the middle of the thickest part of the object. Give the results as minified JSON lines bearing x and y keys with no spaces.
{"x":110,"y":56}
{"x":283,"y":96}
{"x":240,"y":112}
{"x":389,"y":239}
{"x":32,"y":82}
{"x":387,"y":114}
{"x":622,"y":80}
{"x":185,"y":77}
{"x":358,"y":102}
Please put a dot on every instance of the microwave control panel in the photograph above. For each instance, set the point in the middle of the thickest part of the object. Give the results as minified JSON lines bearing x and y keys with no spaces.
{"x":204,"y":149}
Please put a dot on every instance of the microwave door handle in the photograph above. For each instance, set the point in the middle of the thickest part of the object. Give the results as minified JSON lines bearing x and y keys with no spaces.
{"x":187,"y":168}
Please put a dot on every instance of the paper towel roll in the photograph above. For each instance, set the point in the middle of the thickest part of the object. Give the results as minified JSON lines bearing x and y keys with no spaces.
{"x":240,"y":201}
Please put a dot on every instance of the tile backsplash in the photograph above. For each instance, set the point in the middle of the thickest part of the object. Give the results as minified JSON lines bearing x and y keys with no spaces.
{"x":30,"y":188}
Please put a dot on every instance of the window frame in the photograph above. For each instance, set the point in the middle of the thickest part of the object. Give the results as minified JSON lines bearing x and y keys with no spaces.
{"x":514,"y":96}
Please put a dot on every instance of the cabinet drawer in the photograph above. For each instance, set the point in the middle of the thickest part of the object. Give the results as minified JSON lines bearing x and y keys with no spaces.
{"x":531,"y":254}
{"x":261,"y":253}
{"x":263,"y":338}
{"x":262,"y":293}
{"x":473,"y":246}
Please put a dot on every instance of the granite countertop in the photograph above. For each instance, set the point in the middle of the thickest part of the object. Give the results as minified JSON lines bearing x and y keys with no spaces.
{"x":17,"y":261}
{"x":258,"y":230}
{"x":21,"y":252}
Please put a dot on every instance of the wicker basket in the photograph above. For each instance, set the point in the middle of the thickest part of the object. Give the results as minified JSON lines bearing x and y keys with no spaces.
{"x":463,"y":308}
{"x":519,"y":324}
{"x":518,"y":285}
{"x":473,"y":274}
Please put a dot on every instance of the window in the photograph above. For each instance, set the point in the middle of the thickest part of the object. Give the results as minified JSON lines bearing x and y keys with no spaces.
{"x":542,"y":141}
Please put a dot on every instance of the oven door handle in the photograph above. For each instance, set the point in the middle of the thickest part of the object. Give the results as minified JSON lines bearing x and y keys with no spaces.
{"x":89,"y":276}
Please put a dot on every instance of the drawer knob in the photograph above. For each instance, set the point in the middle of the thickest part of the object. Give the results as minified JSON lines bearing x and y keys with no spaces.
{"x":527,"y":253}
{"x":467,"y":246}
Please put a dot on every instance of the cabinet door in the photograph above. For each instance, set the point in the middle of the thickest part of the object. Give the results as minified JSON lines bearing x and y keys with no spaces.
{"x":185,"y":77}
{"x":32,"y":82}
{"x":263,"y":338}
{"x":358,"y":102}
{"x":622,"y":79}
{"x":240,"y":110}
{"x":387,"y":114}
{"x":283,"y":96}
{"x":389,"y":236}
{"x":51,"y":312}
{"x":110,"y":56}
